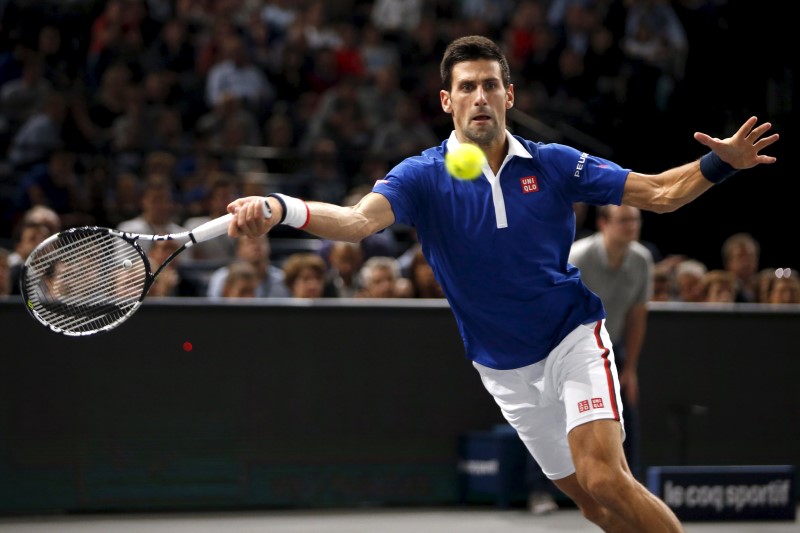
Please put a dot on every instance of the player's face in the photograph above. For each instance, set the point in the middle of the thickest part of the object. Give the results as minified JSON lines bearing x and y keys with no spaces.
{"x":478,"y":101}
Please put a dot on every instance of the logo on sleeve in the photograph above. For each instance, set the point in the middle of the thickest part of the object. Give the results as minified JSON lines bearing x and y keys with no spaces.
{"x":529,"y":184}
{"x":583,"y":406}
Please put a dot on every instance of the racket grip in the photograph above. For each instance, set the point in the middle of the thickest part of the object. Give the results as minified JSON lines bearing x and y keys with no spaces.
{"x":211,"y":229}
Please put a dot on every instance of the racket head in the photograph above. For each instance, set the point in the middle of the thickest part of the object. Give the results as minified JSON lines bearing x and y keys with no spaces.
{"x":86,"y":280}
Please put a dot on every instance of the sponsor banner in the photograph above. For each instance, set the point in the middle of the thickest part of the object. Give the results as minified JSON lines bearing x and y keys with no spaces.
{"x":726,"y":492}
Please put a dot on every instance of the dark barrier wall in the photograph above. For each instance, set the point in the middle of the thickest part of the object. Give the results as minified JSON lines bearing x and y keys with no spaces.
{"x":335,"y":405}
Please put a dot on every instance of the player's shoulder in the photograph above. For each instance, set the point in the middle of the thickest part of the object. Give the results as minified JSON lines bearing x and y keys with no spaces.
{"x":426,"y":163}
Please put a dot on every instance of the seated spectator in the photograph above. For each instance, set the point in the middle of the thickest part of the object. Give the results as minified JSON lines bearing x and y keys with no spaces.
{"x":345,"y":260}
{"x":381,"y":278}
{"x":5,"y":273}
{"x":422,"y":279}
{"x":158,"y":211}
{"x":169,"y":282}
{"x":719,"y":286}
{"x":21,"y":98}
{"x":785,"y":287}
{"x":662,"y":284}
{"x":58,"y":186}
{"x":256,"y":251}
{"x":241,"y":281}
{"x":304,"y":274}
{"x":740,"y":255}
{"x":27,"y":236}
{"x":40,"y":134}
{"x":219,"y":194}
{"x":689,"y":279}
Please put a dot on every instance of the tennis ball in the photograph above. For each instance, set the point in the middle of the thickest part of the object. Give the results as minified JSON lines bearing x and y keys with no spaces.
{"x":465,"y":161}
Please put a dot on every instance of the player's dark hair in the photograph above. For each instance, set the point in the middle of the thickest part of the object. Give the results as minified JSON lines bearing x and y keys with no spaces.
{"x":472,"y":48}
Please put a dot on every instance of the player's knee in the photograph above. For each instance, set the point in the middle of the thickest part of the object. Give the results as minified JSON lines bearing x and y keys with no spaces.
{"x":604,"y":484}
{"x":595,"y":513}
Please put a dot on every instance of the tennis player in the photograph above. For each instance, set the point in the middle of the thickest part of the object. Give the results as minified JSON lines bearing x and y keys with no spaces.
{"x":499,"y":248}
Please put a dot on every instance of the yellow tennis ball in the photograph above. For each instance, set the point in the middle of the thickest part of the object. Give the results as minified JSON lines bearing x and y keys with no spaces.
{"x":465,"y":161}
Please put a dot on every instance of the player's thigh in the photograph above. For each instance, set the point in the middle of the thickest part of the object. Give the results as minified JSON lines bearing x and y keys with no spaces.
{"x":597,"y":451}
{"x":534,"y":411}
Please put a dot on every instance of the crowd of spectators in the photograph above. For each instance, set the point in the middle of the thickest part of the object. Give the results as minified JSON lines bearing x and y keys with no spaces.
{"x":151,"y":115}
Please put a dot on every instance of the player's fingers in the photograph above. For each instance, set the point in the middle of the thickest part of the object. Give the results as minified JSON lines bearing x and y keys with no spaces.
{"x":746,"y":127}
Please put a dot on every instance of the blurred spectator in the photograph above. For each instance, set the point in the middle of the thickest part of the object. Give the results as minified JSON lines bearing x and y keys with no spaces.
{"x":323,"y":178}
{"x":279,"y":15}
{"x":235,"y":75}
{"x":719,"y":286}
{"x":740,"y":256}
{"x":377,"y":53}
{"x":124,"y":199}
{"x":785,"y":287}
{"x":689,"y":280}
{"x":27,"y":236}
{"x":662,"y":285}
{"x":40,"y":134}
{"x":396,"y":16}
{"x":169,"y":282}
{"x":381,"y":278}
{"x":255,"y":251}
{"x":423,"y":281}
{"x":346,"y":259}
{"x":655,"y":45}
{"x":5,"y":273}
{"x":22,"y":97}
{"x":304,"y":275}
{"x":57,"y":68}
{"x":41,"y":214}
{"x":56,"y":185}
{"x":95,"y":116}
{"x":379,"y":98}
{"x":405,"y":135}
{"x":172,"y":52}
{"x":241,"y":281}
{"x":220,"y":193}
{"x":158,"y":211}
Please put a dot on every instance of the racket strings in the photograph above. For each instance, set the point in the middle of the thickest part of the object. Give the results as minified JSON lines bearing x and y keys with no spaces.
{"x":85,"y":281}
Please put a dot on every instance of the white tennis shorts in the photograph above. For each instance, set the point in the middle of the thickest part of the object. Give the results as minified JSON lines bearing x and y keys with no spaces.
{"x":577,"y":383}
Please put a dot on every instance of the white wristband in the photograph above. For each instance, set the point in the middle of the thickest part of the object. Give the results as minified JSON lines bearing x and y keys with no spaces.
{"x":295,"y":211}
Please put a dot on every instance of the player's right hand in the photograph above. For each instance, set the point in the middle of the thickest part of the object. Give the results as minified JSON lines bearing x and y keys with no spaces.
{"x":249,"y":218}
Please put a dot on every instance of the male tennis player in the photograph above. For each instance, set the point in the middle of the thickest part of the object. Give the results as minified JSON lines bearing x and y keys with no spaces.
{"x":499,"y":248}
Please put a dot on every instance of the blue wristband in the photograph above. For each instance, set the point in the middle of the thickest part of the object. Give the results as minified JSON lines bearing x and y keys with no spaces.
{"x":714,"y":169}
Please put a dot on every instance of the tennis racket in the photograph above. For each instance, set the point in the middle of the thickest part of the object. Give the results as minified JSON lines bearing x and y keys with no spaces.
{"x":86,"y":280}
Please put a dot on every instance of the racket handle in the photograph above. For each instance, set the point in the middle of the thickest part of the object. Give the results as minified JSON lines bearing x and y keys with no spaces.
{"x":219,"y":226}
{"x":211,"y":229}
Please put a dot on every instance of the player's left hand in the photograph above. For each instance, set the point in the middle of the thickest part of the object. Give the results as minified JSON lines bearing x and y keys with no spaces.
{"x":741,"y":150}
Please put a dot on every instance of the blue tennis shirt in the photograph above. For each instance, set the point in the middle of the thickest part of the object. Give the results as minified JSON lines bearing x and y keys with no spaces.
{"x":499,"y":244}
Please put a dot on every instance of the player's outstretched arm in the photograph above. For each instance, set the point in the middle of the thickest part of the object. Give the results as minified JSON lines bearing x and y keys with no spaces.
{"x":373,"y":213}
{"x":678,"y":186}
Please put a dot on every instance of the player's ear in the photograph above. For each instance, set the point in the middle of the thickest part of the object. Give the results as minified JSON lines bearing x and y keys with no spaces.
{"x":510,"y":96}
{"x":444,"y":96}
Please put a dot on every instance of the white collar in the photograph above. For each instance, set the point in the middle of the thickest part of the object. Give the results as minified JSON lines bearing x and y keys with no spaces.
{"x":515,"y":147}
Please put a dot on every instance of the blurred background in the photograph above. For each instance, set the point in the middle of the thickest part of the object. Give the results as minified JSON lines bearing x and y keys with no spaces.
{"x":318,"y":98}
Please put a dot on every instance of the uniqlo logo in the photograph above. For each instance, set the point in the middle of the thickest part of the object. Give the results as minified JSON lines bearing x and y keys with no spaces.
{"x":597,"y":403}
{"x":529,"y":184}
{"x":583,"y":406}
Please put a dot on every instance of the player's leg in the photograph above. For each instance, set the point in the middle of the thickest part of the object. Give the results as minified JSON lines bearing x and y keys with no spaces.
{"x":603,"y":474}
{"x":592,"y":509}
{"x":587,"y":376}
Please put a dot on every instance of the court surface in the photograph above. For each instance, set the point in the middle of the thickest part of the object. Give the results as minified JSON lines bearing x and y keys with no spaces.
{"x":481,"y":520}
